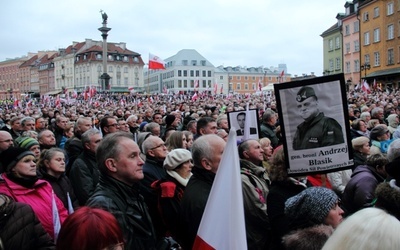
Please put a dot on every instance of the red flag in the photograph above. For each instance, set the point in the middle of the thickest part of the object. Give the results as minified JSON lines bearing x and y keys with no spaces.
{"x":281,"y":76}
{"x":365,"y":87}
{"x":259,"y":85}
{"x":194,"y":97}
{"x":165,"y":90}
{"x":155,"y":62}
{"x":222,"y":88}
{"x":222,"y":228}
{"x":58,"y":102}
{"x":215,"y":88}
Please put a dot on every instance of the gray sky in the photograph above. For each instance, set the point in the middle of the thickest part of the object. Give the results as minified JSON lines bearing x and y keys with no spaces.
{"x":226,"y":32}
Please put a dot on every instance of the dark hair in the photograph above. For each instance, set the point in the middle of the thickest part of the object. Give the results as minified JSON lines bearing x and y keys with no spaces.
{"x":203,"y":122}
{"x":90,"y":228}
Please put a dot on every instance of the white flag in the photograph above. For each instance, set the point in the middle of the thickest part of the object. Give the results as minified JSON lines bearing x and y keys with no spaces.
{"x":56,"y":217}
{"x":221,"y":228}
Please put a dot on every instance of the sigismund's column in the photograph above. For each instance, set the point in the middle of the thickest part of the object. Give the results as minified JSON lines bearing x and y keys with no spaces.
{"x":104,"y":30}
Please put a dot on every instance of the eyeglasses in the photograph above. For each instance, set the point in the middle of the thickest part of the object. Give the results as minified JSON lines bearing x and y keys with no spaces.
{"x":113,"y":125}
{"x":161,"y":145}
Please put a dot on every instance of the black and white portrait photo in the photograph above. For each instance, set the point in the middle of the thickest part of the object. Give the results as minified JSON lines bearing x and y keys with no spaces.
{"x":238,"y":120}
{"x":314,"y":124}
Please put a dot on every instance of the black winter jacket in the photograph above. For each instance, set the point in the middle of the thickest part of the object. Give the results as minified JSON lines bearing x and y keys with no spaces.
{"x":20,"y":229}
{"x":84,"y":176}
{"x":128,"y":207}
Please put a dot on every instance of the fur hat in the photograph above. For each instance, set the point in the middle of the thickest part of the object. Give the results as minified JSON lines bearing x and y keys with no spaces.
{"x":312,"y":204}
{"x":26,"y":142}
{"x":387,"y":196}
{"x":176,"y":157}
{"x":377,"y":131}
{"x":11,"y":156}
{"x":169,"y":120}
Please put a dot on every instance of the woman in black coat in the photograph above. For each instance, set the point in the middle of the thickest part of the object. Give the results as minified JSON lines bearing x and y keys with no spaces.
{"x":52,"y":169}
{"x":20,"y":228}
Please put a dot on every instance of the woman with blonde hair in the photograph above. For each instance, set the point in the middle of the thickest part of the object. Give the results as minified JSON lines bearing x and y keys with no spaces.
{"x":368,"y":229}
{"x":176,"y":140}
{"x":268,"y":150}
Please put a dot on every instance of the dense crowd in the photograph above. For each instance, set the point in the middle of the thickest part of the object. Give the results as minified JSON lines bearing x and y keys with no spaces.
{"x":134,"y":172}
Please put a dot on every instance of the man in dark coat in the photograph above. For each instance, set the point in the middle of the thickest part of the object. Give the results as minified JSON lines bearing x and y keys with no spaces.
{"x":207,"y":152}
{"x":155,"y":150}
{"x":84,"y":174}
{"x":317,"y":130}
{"x":268,"y":128}
{"x":121,"y":169}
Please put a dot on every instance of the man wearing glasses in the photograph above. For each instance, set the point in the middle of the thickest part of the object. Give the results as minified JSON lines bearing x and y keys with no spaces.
{"x":6,"y":140}
{"x":108,"y":125}
{"x":155,"y":150}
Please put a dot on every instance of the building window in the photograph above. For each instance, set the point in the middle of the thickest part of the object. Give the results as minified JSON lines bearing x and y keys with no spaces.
{"x":330,"y":44}
{"x":185,"y":73}
{"x":125,"y":69}
{"x":238,"y":86}
{"x":126,"y":58}
{"x":237,"y":77}
{"x":184,"y":62}
{"x":197,"y":73}
{"x":347,"y":30}
{"x":348,"y":67}
{"x":185,"y":83}
{"x":376,"y":35}
{"x":337,"y":42}
{"x":179,"y":83}
{"x":204,"y":84}
{"x":356,"y":66}
{"x":376,"y":12}
{"x":365,"y":16}
{"x":246,"y":86}
{"x":99,"y":68}
{"x":126,"y":81}
{"x":209,"y":73}
{"x":192,"y":73}
{"x":347,"y":48}
{"x":390,"y":31}
{"x":203,"y":63}
{"x":193,"y":63}
{"x":98,"y":56}
{"x":356,"y":26}
{"x":390,"y":56}
{"x":356,"y":46}
{"x":377,"y":59}
{"x":390,"y":8}
{"x":330,"y":64}
{"x":366,"y":38}
{"x":179,"y":72}
{"x":246,"y":78}
{"x":221,"y":77}
{"x":110,"y":69}
{"x":338,"y":64}
{"x":367,"y":59}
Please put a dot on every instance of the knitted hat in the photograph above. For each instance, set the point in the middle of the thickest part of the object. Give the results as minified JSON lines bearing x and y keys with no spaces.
{"x":176,"y":157}
{"x":359,"y":141}
{"x":26,"y":142}
{"x":169,"y":120}
{"x":377,"y":131}
{"x":311,"y":204}
{"x":141,"y":127}
{"x":11,"y":156}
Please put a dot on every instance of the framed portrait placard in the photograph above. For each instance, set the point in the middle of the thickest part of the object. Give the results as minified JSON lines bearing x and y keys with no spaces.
{"x":315,"y":125}
{"x":238,"y":120}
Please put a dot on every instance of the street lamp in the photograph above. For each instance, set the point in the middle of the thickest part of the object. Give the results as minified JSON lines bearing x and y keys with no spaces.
{"x":365,"y":67}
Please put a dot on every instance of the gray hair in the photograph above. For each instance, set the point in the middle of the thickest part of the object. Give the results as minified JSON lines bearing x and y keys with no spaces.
{"x":376,"y":111}
{"x":30,"y":133}
{"x":149,"y":143}
{"x":202,"y":148}
{"x":26,"y":119}
{"x":394,"y":150}
{"x":150,"y":126}
{"x":364,"y":115}
{"x":131,"y":117}
{"x":109,"y":147}
{"x":221,"y":118}
{"x":268,"y":114}
{"x":88,"y":134}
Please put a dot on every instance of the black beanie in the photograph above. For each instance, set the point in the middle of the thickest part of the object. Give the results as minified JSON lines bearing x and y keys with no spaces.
{"x":11,"y":156}
{"x":169,"y":120}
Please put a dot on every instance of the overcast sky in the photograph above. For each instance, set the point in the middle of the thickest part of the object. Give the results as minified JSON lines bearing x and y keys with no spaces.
{"x":248,"y":33}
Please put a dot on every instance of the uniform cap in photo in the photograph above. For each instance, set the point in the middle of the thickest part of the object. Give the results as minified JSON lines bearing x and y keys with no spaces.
{"x":304,"y":93}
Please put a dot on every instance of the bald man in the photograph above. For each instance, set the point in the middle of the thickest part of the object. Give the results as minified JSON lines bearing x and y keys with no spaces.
{"x":6,"y":140}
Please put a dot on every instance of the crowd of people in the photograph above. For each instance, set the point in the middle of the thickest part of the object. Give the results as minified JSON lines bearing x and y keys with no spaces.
{"x":135,"y":172}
